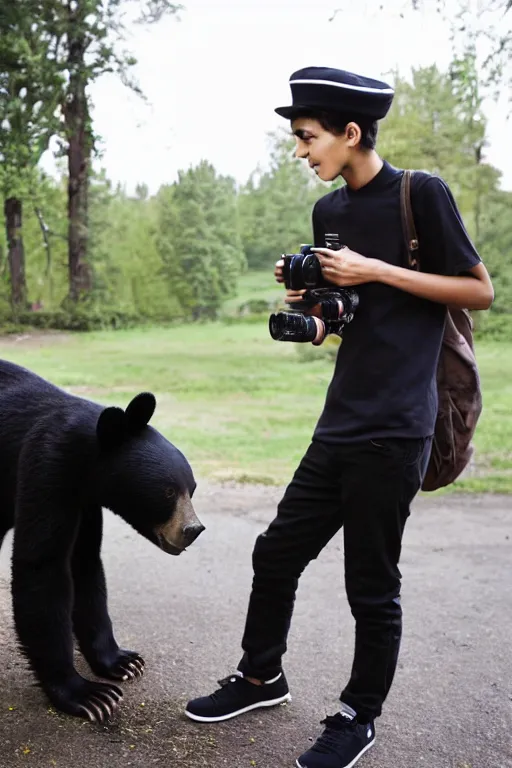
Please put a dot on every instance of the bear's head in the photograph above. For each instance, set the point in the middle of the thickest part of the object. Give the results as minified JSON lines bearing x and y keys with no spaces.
{"x":144,"y":478}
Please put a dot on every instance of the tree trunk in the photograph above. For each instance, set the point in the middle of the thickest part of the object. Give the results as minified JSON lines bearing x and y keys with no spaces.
{"x":16,"y":252}
{"x":78,"y":131}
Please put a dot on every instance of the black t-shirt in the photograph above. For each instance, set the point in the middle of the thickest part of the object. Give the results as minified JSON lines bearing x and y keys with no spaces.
{"x":384,"y":383}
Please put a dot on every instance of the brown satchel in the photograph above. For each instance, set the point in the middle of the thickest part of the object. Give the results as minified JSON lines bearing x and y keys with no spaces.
{"x":458,"y":382}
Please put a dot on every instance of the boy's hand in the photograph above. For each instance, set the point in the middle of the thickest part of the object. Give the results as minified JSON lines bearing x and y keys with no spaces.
{"x":278,"y":271}
{"x":345,"y":267}
{"x":293,"y":296}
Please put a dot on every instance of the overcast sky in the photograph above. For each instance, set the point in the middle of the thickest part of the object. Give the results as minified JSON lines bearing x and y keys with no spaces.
{"x":213,"y":80}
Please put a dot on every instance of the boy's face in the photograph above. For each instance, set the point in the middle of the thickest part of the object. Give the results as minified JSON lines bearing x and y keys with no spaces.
{"x":327,"y":153}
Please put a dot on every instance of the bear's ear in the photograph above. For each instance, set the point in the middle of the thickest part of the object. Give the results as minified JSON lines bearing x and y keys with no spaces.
{"x":111,"y":427}
{"x":140,"y":410}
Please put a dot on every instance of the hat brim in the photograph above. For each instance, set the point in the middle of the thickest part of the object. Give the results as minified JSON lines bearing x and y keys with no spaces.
{"x":289,"y":113}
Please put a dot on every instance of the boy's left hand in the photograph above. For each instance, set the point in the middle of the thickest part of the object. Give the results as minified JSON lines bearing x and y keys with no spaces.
{"x":345,"y":267}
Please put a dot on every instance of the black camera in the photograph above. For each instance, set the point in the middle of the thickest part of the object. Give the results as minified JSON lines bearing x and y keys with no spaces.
{"x":337,"y":305}
{"x":302,"y":270}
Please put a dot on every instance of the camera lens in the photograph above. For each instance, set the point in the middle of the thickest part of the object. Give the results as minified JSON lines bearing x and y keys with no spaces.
{"x":291,"y":326}
{"x":304,"y":271}
{"x":339,"y":305}
{"x":332,"y":309}
{"x":295,"y":273}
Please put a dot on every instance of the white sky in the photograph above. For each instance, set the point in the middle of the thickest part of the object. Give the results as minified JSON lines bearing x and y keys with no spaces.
{"x":213,"y":80}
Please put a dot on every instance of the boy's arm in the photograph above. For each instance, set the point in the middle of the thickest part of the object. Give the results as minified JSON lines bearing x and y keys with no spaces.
{"x":452,"y":271}
{"x":454,"y":274}
{"x":471,"y":291}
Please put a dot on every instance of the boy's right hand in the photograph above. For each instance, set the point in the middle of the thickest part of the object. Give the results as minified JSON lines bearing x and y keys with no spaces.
{"x":292,"y":296}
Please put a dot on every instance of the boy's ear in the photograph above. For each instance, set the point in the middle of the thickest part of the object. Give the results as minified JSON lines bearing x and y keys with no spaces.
{"x":353,"y":134}
{"x":111,"y":427}
{"x":140,"y":411}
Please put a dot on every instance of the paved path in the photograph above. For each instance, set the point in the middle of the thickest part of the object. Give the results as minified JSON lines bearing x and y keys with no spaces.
{"x":450,"y":706}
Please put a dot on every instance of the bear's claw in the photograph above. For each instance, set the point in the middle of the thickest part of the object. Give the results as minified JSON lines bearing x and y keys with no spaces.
{"x":129,"y":667}
{"x":97,"y":702}
{"x":102,"y":704}
{"x":126,"y":665}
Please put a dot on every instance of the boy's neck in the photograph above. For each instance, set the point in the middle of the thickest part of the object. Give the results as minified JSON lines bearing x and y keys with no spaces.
{"x":362,"y":169}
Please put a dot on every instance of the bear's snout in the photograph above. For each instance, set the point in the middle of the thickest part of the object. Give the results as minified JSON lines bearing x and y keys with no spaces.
{"x":182,"y":529}
{"x":191,"y":532}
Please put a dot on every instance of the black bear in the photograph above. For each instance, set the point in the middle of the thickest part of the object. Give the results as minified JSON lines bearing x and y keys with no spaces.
{"x":62,"y":459}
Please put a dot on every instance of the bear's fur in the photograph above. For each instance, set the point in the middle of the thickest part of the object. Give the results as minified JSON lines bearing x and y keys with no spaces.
{"x":63,"y":458}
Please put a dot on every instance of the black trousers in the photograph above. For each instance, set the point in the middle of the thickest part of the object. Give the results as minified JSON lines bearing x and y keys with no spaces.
{"x":367,"y":488}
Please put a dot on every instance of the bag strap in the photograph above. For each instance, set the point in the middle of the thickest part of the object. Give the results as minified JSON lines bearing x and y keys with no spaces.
{"x":412,"y":245}
{"x":408,"y":226}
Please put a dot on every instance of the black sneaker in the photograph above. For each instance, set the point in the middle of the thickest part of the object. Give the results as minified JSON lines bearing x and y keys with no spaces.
{"x":236,"y":696}
{"x":341,"y":745}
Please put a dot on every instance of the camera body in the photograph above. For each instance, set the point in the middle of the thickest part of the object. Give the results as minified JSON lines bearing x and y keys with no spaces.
{"x":303,"y":270}
{"x":337,"y":305}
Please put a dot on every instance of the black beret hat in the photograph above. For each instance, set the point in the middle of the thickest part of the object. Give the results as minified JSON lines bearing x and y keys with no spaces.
{"x":335,"y":90}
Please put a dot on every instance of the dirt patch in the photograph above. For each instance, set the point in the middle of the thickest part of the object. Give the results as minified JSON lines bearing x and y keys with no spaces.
{"x":35,"y":339}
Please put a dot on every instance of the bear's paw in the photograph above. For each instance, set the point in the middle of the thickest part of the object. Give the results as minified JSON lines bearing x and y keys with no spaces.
{"x":77,"y":696}
{"x":122,"y":665}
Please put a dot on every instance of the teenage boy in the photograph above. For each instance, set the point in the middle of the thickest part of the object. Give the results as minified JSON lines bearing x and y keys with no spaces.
{"x":371,"y":445}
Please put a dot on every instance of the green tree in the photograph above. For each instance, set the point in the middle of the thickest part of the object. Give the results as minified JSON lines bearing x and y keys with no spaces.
{"x":483,"y":30}
{"x":275,"y":207}
{"x":94,"y":32}
{"x":50,"y":52}
{"x":46,"y":233}
{"x":31,"y":88}
{"x":437,"y":124}
{"x":495,"y":246}
{"x":198,"y":240}
{"x":128,"y":270}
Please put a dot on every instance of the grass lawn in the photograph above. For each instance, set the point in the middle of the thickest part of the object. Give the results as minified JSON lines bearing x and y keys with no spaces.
{"x":255,"y":285}
{"x":238,"y":404}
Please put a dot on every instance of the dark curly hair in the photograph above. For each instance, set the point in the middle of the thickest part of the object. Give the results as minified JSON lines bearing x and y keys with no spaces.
{"x":336,"y":123}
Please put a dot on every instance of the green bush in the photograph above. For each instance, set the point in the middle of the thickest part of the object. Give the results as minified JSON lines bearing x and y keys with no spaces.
{"x":256,"y":307}
{"x":79,"y":319}
{"x":326,"y":351}
{"x":253,"y":319}
{"x":493,"y":326}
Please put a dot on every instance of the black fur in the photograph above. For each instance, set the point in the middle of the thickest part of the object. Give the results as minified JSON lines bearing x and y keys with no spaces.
{"x":63,"y":458}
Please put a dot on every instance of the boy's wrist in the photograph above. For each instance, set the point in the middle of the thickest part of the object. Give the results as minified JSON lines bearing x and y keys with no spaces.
{"x":382,"y":271}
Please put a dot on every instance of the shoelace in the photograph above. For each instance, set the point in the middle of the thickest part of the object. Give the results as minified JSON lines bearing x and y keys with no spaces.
{"x":227,"y":680}
{"x":337,"y":728}
{"x":224,"y":683}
